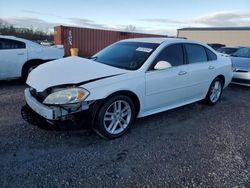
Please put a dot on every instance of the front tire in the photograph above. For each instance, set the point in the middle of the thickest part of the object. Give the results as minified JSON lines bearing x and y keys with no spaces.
{"x":214,"y":92}
{"x":27,"y":69}
{"x":115,"y":117}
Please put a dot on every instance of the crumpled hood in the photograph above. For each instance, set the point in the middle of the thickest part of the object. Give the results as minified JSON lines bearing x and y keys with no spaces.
{"x":241,"y":63}
{"x":70,"y":70}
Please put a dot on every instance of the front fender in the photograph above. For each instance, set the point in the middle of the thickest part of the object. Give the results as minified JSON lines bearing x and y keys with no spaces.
{"x":134,"y":85}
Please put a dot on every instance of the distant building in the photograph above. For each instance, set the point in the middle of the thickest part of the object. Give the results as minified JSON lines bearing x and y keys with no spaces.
{"x":230,"y":36}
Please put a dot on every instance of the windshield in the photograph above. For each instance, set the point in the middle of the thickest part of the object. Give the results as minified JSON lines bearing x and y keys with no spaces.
{"x":227,"y":50}
{"x":243,"y":52}
{"x":125,"y":55}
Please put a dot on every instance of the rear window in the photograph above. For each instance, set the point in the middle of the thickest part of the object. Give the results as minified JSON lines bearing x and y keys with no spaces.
{"x":196,"y":53}
{"x":211,"y":55}
{"x":6,"y":44}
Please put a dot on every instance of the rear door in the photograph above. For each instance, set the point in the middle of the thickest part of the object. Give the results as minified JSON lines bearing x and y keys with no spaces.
{"x":13,"y":54}
{"x":167,"y":88}
{"x":202,"y":69}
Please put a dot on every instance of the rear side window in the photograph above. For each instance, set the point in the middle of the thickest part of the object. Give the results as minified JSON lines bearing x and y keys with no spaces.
{"x":196,"y":53}
{"x":172,"y":54}
{"x":211,"y":55}
{"x":6,"y":44}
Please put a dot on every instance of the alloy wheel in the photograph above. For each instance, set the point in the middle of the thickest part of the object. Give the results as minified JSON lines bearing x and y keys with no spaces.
{"x":117,"y":117}
{"x":215,"y":91}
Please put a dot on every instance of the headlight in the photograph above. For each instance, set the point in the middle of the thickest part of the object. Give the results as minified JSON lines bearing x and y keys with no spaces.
{"x":67,"y":96}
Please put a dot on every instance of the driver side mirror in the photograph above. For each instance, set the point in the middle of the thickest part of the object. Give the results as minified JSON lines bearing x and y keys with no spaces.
{"x":161,"y":65}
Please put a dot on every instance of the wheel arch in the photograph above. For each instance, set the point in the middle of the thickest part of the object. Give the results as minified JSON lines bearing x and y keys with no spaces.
{"x":222,"y":79}
{"x":98,"y":103}
{"x":218,"y":76}
{"x":207,"y":97}
{"x":129,"y":94}
{"x":94,"y":108}
{"x":31,"y":62}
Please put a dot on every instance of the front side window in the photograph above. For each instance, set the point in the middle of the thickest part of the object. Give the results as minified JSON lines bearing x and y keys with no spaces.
{"x":172,"y":54}
{"x":196,"y":53}
{"x":6,"y":44}
{"x":125,"y":55}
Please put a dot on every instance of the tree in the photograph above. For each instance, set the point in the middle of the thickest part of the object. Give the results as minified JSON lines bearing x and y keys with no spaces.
{"x":130,"y":28}
{"x":27,"y":33}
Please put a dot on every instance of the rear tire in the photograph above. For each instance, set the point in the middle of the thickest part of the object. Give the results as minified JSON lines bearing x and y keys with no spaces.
{"x":115,"y":117}
{"x":214,"y":92}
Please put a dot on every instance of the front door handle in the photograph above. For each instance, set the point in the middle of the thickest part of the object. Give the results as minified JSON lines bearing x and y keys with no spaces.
{"x":211,"y":67}
{"x":182,"y":73}
{"x":20,"y":54}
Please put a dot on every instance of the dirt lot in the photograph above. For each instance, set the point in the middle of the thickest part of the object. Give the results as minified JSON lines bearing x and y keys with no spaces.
{"x":192,"y":146}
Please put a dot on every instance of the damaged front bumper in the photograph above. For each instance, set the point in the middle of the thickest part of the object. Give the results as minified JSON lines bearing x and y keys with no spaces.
{"x":36,"y":112}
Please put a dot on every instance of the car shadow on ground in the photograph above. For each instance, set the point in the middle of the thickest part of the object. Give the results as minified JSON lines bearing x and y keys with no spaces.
{"x":166,"y":118}
{"x":172,"y":116}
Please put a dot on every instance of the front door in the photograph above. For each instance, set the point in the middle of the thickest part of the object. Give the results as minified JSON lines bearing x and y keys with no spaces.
{"x":167,"y":88}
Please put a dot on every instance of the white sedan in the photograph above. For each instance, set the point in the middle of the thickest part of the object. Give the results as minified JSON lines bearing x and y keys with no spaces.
{"x":131,"y":78}
{"x":19,"y":56}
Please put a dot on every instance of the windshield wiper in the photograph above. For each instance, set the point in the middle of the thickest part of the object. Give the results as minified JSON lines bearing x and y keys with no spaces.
{"x":93,"y":58}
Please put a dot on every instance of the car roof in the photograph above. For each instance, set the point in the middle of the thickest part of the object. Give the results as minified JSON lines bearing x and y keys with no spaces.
{"x":158,"y":40}
{"x":15,"y":38}
{"x":9,"y":37}
{"x":26,"y":41}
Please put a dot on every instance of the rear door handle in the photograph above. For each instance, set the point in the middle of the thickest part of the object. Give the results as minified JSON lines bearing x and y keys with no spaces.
{"x":182,"y":73}
{"x":211,"y":67}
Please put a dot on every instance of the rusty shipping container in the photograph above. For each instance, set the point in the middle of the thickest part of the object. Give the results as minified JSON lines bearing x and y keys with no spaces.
{"x":89,"y":41}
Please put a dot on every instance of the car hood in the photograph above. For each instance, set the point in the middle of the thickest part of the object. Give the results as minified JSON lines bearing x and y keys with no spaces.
{"x":70,"y":70}
{"x":241,"y":63}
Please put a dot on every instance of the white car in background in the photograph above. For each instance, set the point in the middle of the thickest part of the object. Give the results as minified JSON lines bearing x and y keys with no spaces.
{"x":131,"y":78}
{"x":19,"y":56}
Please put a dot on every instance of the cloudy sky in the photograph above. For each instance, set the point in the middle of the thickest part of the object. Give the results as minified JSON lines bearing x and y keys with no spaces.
{"x":147,"y":16}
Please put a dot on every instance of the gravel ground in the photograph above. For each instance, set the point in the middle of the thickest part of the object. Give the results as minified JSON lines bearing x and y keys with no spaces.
{"x":192,"y":146}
